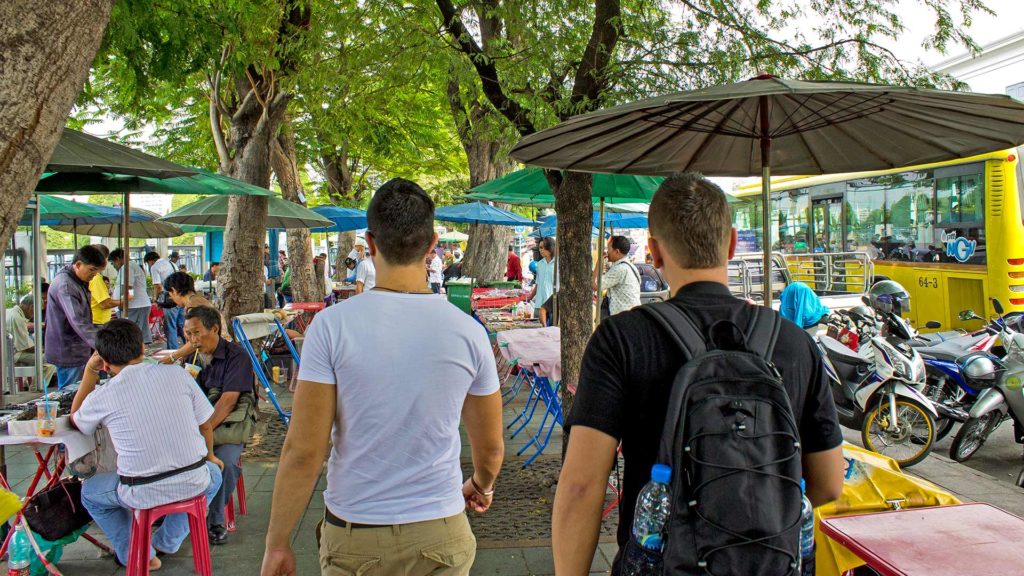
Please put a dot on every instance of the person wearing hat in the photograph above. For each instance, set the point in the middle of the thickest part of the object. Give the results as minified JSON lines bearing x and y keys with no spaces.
{"x":366,"y":273}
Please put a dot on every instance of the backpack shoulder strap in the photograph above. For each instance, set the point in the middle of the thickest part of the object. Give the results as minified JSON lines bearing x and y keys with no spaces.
{"x":680,"y":326}
{"x":763,"y":332}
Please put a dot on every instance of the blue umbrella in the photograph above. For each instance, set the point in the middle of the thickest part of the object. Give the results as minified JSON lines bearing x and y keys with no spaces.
{"x":611,"y":220}
{"x":345,"y":219}
{"x":480,"y":213}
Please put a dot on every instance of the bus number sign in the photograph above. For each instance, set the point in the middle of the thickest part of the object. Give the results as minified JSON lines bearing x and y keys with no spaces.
{"x":925,"y":282}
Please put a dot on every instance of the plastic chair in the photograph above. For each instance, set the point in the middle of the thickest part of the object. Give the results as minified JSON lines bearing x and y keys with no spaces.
{"x":142,"y":526}
{"x":259,"y":369}
{"x":229,"y":508}
{"x":553,"y":408}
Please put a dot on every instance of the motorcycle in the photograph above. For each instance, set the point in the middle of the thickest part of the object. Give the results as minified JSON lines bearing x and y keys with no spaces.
{"x":1000,"y":399}
{"x":878,"y":390}
{"x":958,"y":369}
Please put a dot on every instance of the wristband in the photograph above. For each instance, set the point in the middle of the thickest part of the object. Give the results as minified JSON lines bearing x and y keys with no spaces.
{"x":478,"y":490}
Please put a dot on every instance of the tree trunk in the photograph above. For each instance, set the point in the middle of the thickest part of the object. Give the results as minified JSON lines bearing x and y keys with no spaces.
{"x":346,"y":242}
{"x":485,"y":257}
{"x":575,"y":269}
{"x":305,"y":287}
{"x":46,"y":49}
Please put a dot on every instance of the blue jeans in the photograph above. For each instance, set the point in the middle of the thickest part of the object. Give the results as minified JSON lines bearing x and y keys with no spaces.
{"x":69,"y":375}
{"x":99,"y":496}
{"x":231,"y":455}
{"x":174,"y":318}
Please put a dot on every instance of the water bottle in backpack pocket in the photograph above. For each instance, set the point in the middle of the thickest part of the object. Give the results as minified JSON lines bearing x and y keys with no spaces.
{"x":806,"y":533}
{"x":642,"y":556}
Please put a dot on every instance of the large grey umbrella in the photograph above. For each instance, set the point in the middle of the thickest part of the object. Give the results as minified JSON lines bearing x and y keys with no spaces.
{"x":789,"y":126}
{"x":143,"y":224}
{"x":213,"y":211}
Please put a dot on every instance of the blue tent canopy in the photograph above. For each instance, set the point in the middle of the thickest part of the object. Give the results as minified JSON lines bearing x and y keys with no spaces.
{"x":480,"y":213}
{"x":345,"y":219}
{"x":611,"y":220}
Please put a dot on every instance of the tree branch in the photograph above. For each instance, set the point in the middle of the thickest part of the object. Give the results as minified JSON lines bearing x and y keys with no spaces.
{"x":591,"y":77}
{"x":485,"y":68}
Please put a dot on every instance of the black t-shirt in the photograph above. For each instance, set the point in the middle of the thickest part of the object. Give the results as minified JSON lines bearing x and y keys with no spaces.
{"x":630,"y":364}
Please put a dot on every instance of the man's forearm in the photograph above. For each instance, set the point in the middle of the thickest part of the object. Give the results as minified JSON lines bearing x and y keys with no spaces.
{"x":487,"y":463}
{"x":575,"y":525}
{"x":207,"y":432}
{"x":296,"y":476}
{"x":89,"y":380}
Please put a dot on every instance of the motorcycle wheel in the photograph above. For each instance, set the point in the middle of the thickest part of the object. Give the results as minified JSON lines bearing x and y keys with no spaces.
{"x":943,"y":427}
{"x":971,"y":437}
{"x":910,"y":443}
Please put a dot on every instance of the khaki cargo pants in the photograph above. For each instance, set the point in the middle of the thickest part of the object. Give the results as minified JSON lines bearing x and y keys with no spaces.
{"x":444,"y":547}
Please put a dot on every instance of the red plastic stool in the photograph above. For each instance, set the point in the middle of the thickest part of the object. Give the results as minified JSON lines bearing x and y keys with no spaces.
{"x":142,"y":525}
{"x":229,"y":508}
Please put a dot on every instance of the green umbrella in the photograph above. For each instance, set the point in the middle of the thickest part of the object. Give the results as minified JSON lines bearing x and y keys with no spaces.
{"x":530,"y":186}
{"x":213,"y":211}
{"x":202,"y":183}
{"x":144,"y":224}
{"x":80,"y":152}
{"x":54,"y":210}
{"x":453,"y":236}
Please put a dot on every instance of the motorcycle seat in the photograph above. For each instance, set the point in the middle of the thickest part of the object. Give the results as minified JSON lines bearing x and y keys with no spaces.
{"x":841,"y":352}
{"x":947,"y":351}
{"x":935,"y":338}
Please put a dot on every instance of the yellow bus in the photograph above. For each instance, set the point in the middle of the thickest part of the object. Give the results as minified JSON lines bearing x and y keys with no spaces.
{"x":951,"y":232}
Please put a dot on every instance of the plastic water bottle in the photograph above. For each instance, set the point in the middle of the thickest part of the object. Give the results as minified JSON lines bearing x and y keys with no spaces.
{"x":19,"y":554}
{"x":806,"y":533}
{"x":643,"y":553}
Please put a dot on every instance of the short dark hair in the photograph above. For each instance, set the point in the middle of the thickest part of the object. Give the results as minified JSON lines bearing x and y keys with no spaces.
{"x":150,"y":257}
{"x":548,"y":243}
{"x":212,"y":264}
{"x":401,"y":220}
{"x":690,"y":219}
{"x":103,"y":250}
{"x":181,"y":282}
{"x":209,"y":317}
{"x":621,"y":243}
{"x":119,"y":342}
{"x":91,"y":256}
{"x":174,"y":255}
{"x":117,"y":254}
{"x":511,"y":248}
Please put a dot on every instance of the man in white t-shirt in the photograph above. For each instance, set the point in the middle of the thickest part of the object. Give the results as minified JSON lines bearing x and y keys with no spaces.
{"x":386,"y":377}
{"x":366,"y":272}
{"x":159,"y":422}
{"x":138,"y":296}
{"x":174,"y":318}
{"x":434,"y":273}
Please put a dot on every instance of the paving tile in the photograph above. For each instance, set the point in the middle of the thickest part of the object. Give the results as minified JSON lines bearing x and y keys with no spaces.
{"x":500,"y":561}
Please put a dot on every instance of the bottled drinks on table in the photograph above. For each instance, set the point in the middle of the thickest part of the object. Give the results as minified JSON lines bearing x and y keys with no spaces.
{"x":643,"y":552}
{"x":806,"y":534}
{"x":19,"y":553}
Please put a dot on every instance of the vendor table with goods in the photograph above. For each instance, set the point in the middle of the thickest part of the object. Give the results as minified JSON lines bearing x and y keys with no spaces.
{"x":490,"y":298}
{"x":343,"y":291}
{"x":501,"y":319}
{"x":975,"y":538}
{"x":537,"y":349}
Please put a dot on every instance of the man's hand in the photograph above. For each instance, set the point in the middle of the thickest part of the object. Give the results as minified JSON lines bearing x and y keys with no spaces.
{"x":474,"y":500}
{"x":278,"y":562}
{"x":220,"y":463}
{"x":96,"y":363}
{"x":168,"y":359}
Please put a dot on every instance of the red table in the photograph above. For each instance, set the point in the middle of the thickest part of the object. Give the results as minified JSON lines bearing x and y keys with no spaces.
{"x":976,"y":539}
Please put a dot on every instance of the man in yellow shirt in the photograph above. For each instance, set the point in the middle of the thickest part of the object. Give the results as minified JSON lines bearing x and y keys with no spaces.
{"x":99,"y":295}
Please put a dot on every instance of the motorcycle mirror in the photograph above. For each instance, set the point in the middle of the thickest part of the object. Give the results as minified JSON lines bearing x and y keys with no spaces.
{"x":865,"y":300}
{"x":966,"y":315}
{"x":933,"y":325}
{"x":998,"y":306}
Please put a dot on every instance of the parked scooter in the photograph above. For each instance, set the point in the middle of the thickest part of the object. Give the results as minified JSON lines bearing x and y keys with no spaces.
{"x":1000,"y":400}
{"x":958,"y":369}
{"x":879,"y":388}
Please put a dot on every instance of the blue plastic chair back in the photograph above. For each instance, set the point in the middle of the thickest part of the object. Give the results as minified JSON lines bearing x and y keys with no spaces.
{"x":257,"y":366}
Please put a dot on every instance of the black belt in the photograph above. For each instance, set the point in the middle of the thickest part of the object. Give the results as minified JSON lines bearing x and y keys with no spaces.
{"x":140,"y":480}
{"x":335,"y":521}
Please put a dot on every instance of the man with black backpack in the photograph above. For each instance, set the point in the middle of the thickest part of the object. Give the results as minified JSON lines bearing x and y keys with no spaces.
{"x":748,"y":411}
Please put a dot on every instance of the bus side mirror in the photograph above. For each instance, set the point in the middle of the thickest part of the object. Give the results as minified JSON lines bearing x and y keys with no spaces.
{"x":933,"y":325}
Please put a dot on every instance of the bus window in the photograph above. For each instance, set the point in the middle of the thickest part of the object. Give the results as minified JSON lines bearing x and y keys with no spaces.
{"x":910,"y":219}
{"x":960,"y":211}
{"x":865,"y":218}
{"x":789,"y":222}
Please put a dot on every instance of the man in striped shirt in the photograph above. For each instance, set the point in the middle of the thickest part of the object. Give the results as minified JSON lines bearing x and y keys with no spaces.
{"x":159,"y":422}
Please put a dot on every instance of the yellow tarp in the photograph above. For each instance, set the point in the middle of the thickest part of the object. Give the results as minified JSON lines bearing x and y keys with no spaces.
{"x":871,"y":480}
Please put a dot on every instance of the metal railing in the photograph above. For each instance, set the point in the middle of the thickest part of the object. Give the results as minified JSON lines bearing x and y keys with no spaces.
{"x":827,"y":273}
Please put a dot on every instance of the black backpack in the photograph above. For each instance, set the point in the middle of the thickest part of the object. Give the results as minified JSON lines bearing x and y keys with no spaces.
{"x":732,"y":441}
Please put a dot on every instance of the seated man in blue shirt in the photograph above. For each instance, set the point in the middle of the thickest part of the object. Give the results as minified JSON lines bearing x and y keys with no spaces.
{"x":227,"y":380}
{"x":168,"y":459}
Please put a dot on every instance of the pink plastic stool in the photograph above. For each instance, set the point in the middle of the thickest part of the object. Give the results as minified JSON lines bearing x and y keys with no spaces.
{"x":142,"y":525}
{"x":229,"y":508}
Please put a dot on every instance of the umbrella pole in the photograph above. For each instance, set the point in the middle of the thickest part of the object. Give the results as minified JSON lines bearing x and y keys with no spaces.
{"x":75,"y":230}
{"x":127,"y":257}
{"x":37,"y":299}
{"x":600,"y":261}
{"x":766,"y":163}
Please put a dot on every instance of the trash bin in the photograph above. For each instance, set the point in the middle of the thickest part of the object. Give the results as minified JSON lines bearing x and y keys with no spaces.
{"x":459,"y":292}
{"x":499,"y":284}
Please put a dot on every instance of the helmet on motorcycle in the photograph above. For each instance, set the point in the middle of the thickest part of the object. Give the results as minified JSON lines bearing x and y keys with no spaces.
{"x":889,"y":296}
{"x":979,"y":366}
{"x":862,"y":311}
